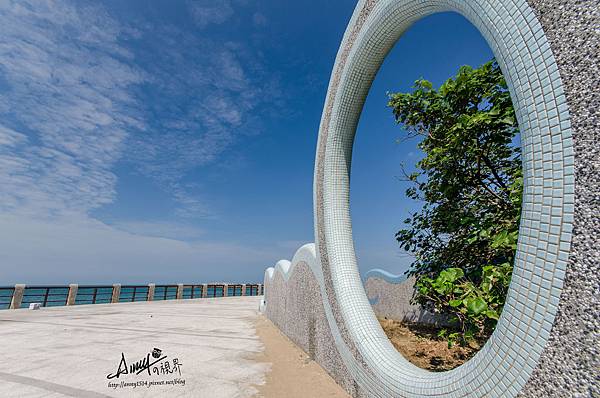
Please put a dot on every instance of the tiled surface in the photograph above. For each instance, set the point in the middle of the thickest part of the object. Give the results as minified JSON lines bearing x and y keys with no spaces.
{"x":502,"y":368}
{"x":570,"y":363}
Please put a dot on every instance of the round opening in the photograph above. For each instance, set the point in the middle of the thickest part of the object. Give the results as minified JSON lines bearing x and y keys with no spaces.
{"x":504,"y":364}
{"x":436,"y":192}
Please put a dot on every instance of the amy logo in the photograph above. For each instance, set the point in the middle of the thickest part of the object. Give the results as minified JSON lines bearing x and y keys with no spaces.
{"x":137,"y":367}
{"x":154,"y":363}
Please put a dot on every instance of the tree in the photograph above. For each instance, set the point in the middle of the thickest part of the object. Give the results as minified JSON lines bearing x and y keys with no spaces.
{"x":470,"y":183}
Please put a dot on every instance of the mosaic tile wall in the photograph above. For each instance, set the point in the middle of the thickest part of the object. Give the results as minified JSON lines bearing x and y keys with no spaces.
{"x":546,"y":341}
{"x":294,"y":305}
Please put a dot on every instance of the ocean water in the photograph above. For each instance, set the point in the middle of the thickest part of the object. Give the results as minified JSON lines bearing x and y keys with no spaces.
{"x":5,"y":297}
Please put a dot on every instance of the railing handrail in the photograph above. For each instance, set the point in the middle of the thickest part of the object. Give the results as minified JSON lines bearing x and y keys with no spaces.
{"x":20,"y":295}
{"x":110,"y":285}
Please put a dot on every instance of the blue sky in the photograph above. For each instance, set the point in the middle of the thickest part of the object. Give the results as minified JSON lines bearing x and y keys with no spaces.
{"x":173,"y":141}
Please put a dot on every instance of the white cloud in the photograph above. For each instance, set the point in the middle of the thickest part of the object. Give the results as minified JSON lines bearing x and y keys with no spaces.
{"x":67,"y":87}
{"x":70,"y":95}
{"x":219,"y":88}
{"x":69,"y":112}
{"x":160,"y":229}
{"x":206,"y":12}
{"x":10,"y":138}
{"x":78,"y":250}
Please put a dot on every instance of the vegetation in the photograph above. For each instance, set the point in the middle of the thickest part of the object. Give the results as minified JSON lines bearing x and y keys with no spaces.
{"x":470,"y":183}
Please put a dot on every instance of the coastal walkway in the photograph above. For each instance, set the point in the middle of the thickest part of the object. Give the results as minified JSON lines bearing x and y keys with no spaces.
{"x":219,"y":347}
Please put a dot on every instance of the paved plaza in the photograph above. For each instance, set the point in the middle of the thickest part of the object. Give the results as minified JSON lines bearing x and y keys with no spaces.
{"x":178,"y":348}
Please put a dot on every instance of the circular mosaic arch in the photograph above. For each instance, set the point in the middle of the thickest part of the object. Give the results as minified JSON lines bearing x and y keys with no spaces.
{"x":504,"y":364}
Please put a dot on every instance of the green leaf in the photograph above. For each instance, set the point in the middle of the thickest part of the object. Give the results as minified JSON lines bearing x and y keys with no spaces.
{"x":455,"y":303}
{"x":492,"y":314}
{"x":476,"y":306}
{"x":451,"y":274}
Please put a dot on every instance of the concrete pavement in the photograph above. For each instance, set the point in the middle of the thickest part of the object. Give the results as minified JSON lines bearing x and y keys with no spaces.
{"x":209,"y":347}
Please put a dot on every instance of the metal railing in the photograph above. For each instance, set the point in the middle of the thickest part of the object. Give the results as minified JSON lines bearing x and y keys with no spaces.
{"x":165,"y":292}
{"x":20,"y":296}
{"x":234,"y":290}
{"x":253,"y":290}
{"x":192,"y":291}
{"x":6,"y":294}
{"x":94,"y":295}
{"x":47,"y":296}
{"x":215,"y":291}
{"x":131,"y":293}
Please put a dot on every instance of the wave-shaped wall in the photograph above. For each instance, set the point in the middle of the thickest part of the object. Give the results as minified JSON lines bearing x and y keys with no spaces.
{"x":293,"y":302}
{"x":391,"y":297}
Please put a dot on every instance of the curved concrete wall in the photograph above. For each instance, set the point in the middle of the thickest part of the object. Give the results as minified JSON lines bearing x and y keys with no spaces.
{"x":293,"y":303}
{"x":391,"y":295}
{"x":546,"y":342}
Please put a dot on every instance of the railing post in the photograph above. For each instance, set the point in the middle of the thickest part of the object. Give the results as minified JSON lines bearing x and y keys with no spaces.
{"x":17,"y":297}
{"x":179,"y":291}
{"x":73,"y":287}
{"x":243,"y":289}
{"x":151,"y":287}
{"x":226,"y":290}
{"x":204,"y":290}
{"x":116,"y":293}
{"x":259,"y":289}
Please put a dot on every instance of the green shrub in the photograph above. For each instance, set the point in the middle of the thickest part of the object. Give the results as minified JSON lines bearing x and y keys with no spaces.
{"x":474,"y":308}
{"x":470,"y":183}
